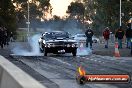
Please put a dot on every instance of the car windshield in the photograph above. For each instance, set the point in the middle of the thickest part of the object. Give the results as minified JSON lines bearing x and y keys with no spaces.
{"x":81,"y":35}
{"x":94,"y":37}
{"x":55,"y":35}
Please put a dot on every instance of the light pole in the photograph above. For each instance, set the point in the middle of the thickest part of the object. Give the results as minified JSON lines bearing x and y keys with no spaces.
{"x":120,"y":14}
{"x":28,"y":22}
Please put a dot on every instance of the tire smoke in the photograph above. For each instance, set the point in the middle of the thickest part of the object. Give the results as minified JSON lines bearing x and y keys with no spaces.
{"x":31,"y":49}
{"x":82,"y":50}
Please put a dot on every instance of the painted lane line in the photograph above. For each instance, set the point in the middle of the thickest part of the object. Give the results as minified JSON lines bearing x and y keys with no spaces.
{"x":102,"y":86}
{"x":61,"y":61}
{"x":87,"y":58}
{"x":95,"y":60}
{"x":91,"y":59}
{"x":99,"y":61}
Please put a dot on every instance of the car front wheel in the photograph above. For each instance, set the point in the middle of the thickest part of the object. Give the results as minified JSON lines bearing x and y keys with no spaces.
{"x":74,"y":52}
{"x":45,"y":52}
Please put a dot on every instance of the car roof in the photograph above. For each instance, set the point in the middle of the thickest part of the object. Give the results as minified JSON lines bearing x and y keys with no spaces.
{"x":56,"y":32}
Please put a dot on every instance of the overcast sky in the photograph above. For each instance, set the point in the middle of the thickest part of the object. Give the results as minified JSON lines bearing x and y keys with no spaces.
{"x":60,"y":7}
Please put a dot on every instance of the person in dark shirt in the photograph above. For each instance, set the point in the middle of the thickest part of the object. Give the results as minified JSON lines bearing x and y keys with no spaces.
{"x":89,"y":34}
{"x":1,"y":37}
{"x":119,"y":35}
{"x":128,"y":37}
{"x":5,"y":37}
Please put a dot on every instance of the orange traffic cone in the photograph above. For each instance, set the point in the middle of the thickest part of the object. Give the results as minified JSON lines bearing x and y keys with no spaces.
{"x":117,"y":54}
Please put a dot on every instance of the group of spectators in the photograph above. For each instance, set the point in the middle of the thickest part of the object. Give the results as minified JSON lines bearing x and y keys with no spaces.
{"x":119,"y":36}
{"x":5,"y":37}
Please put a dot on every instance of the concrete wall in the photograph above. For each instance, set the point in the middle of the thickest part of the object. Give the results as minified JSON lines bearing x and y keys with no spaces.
{"x":13,"y":77}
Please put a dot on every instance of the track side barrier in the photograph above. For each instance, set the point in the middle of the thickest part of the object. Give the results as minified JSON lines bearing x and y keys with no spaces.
{"x":13,"y":77}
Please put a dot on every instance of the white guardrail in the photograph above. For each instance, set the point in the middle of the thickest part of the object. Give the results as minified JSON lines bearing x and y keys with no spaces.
{"x":13,"y":77}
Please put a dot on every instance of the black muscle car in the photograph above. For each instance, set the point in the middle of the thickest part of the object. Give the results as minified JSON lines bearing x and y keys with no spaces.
{"x":58,"y":42}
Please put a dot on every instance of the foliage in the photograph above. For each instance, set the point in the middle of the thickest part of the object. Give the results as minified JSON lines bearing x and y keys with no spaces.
{"x":7,"y":15}
{"x":76,"y":8}
{"x":104,"y":13}
{"x":36,"y":9}
{"x":108,"y":14}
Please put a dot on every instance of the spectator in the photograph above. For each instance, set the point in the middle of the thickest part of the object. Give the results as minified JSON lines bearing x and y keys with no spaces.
{"x":1,"y":37}
{"x":89,"y":34}
{"x":128,"y":37}
{"x":106,"y":35}
{"x":131,"y":42}
{"x":5,"y":36}
{"x":119,"y":35}
{"x":11,"y":37}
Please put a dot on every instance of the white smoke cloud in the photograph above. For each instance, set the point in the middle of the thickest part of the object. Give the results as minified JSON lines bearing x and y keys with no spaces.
{"x":82,"y":50}
{"x":34,"y":51}
{"x":70,"y":25}
{"x":33,"y":42}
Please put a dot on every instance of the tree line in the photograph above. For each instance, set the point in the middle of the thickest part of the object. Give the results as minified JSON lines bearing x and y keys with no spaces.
{"x":7,"y":15}
{"x":100,"y":13}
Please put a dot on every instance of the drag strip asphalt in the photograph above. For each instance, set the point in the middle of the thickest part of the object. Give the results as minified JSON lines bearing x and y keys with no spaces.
{"x":61,"y":70}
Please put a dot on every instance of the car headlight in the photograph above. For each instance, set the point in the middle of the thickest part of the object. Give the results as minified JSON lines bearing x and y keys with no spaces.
{"x":53,"y":45}
{"x":43,"y":42}
{"x":73,"y":45}
{"x":68,"y":45}
{"x":49,"y":45}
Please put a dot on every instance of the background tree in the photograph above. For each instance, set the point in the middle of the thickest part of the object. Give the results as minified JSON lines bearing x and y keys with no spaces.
{"x":76,"y":10}
{"x":7,"y":15}
{"x":37,"y":9}
{"x":107,"y":13}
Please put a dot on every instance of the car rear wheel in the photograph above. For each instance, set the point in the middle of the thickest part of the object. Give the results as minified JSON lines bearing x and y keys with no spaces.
{"x":74,"y":52}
